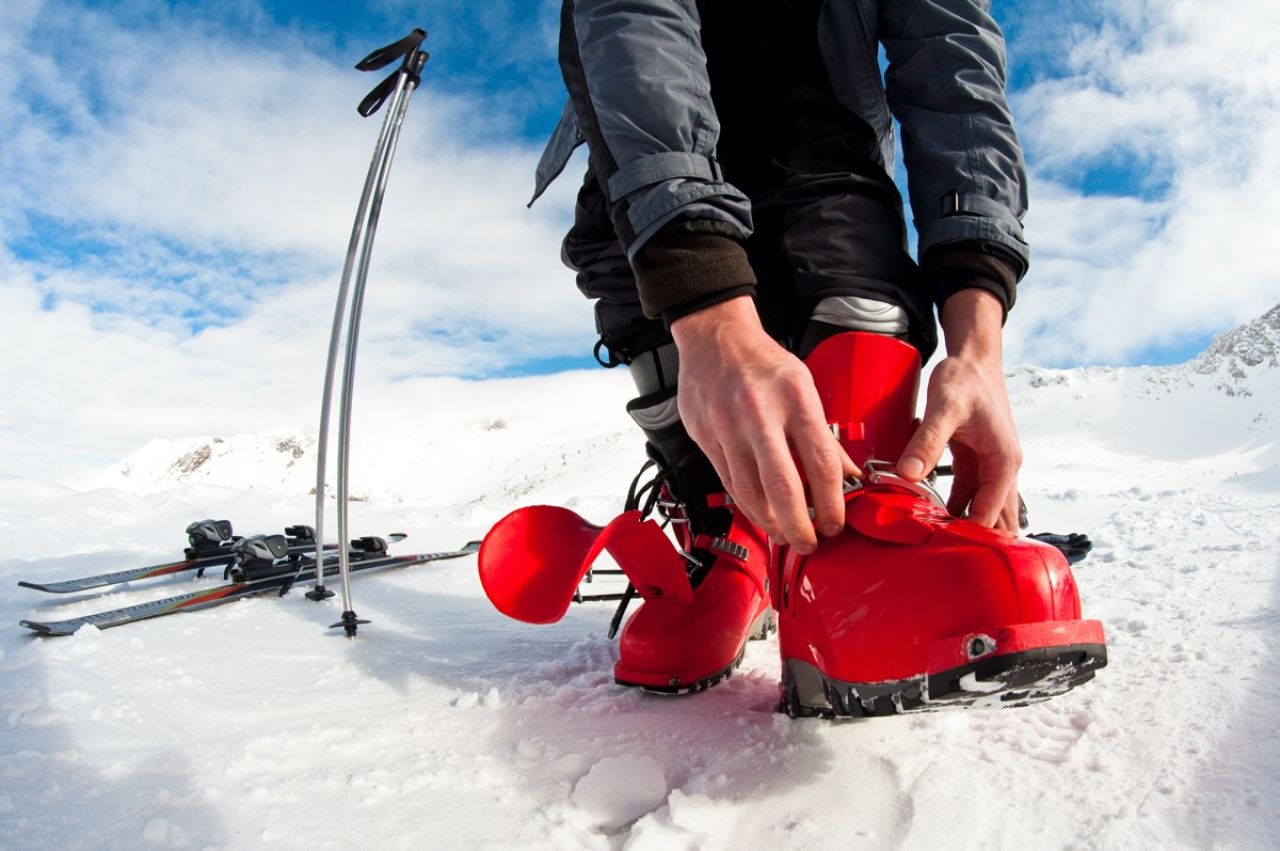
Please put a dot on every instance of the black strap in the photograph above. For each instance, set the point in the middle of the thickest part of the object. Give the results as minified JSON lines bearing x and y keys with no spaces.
{"x":1075,"y":546}
{"x":616,"y":622}
{"x":384,"y":56}
{"x":613,"y":359}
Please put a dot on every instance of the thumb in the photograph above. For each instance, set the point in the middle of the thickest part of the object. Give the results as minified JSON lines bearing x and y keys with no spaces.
{"x":926,"y":446}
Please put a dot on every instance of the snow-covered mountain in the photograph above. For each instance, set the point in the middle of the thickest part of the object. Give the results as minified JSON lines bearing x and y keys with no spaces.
{"x":1225,"y":400}
{"x":1223,"y":403}
{"x":1244,"y":352}
{"x":445,"y":725}
{"x":246,"y":459}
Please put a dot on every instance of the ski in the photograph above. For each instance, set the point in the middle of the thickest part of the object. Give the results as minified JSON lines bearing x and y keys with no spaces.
{"x":278,"y":573}
{"x":210,"y":545}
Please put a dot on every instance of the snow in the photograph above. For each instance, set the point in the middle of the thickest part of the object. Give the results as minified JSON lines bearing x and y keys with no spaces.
{"x":446,"y":725}
{"x":620,"y":790}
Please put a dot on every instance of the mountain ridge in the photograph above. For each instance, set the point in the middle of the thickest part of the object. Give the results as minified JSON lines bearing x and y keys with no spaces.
{"x":1160,"y":406}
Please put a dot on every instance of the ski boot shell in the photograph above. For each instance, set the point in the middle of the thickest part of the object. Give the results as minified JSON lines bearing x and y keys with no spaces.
{"x":532,"y":560}
{"x":674,"y":647}
{"x":910,"y":608}
{"x":681,"y":639}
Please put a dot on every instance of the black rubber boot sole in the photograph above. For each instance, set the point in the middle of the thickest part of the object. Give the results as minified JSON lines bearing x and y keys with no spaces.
{"x":1012,"y":679}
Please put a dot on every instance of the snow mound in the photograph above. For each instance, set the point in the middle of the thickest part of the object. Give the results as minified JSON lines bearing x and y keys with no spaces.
{"x":619,"y":790}
{"x":282,"y":462}
{"x":521,"y":438}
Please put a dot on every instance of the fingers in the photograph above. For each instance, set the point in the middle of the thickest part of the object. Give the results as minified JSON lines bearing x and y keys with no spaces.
{"x":960,"y":497}
{"x":748,"y":492}
{"x":766,"y":483}
{"x":715,"y":454}
{"x":767,"y":486}
{"x":927,"y":444}
{"x":998,"y":481}
{"x":974,"y":473}
{"x":741,"y":396}
{"x":963,"y":501}
{"x":1011,"y":513}
{"x":740,"y":475}
{"x":784,"y":494}
{"x":749,"y":404}
{"x":825,"y":465}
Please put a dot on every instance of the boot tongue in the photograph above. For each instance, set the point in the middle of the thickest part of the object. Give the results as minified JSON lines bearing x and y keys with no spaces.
{"x":867,"y":384}
{"x":894,"y":518}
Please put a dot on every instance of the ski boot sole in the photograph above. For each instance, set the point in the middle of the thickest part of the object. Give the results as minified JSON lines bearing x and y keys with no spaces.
{"x":1012,"y":679}
{"x":761,"y":627}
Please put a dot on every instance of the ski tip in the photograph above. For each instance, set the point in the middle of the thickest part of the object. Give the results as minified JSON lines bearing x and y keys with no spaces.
{"x":396,"y":537}
{"x":470,"y":547}
{"x":36,"y":585}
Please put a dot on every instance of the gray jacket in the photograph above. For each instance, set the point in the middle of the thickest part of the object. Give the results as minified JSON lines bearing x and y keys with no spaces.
{"x":639,"y":94}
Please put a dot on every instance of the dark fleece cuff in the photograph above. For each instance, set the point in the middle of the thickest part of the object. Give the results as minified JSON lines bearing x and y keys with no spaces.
{"x":968,"y":265}
{"x":679,"y":271}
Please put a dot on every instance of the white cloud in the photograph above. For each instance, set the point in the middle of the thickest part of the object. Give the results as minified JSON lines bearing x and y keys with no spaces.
{"x":211,"y":180}
{"x":1189,"y":96}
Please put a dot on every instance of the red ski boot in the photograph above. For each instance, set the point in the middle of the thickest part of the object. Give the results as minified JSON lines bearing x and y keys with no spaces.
{"x":909,"y":608}
{"x":703,"y":599}
{"x":686,"y":648}
{"x":691,"y":630}
{"x":673,"y":647}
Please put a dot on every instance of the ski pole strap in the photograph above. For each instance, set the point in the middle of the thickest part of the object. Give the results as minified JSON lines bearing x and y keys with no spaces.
{"x":414,"y":59}
{"x":384,"y":56}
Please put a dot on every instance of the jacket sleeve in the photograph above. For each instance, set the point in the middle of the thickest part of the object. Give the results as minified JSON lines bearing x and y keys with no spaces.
{"x":945,"y":83}
{"x":637,"y":80}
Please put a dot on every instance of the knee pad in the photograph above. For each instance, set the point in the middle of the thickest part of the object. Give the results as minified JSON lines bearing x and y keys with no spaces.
{"x":835,"y":314}
{"x":655,"y":412}
{"x":858,"y":313}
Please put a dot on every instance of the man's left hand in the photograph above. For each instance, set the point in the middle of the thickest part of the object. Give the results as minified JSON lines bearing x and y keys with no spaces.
{"x":968,"y":407}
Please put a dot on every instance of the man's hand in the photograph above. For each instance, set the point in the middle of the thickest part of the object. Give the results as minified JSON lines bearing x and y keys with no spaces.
{"x":968,"y":407}
{"x":749,"y":404}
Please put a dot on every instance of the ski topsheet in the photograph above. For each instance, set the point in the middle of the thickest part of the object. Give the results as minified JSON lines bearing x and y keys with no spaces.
{"x":84,"y":583}
{"x":207,"y":597}
{"x":119,"y":577}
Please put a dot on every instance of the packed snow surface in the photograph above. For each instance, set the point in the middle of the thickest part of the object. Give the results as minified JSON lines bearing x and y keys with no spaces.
{"x":445,"y":725}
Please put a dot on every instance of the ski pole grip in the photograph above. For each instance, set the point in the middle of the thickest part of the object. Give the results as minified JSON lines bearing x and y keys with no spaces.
{"x":384,"y":56}
{"x":373,"y":101}
{"x":412,"y":69}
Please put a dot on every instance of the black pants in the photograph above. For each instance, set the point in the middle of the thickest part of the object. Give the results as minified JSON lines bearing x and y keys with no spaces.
{"x":828,"y":220}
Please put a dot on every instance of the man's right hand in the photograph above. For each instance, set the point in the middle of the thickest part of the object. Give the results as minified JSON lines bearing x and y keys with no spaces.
{"x":749,"y":404}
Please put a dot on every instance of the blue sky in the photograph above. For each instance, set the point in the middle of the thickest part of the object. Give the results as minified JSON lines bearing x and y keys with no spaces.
{"x":177,"y":182}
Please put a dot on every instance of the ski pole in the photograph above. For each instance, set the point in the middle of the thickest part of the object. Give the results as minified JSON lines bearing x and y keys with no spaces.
{"x":397,"y":87}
